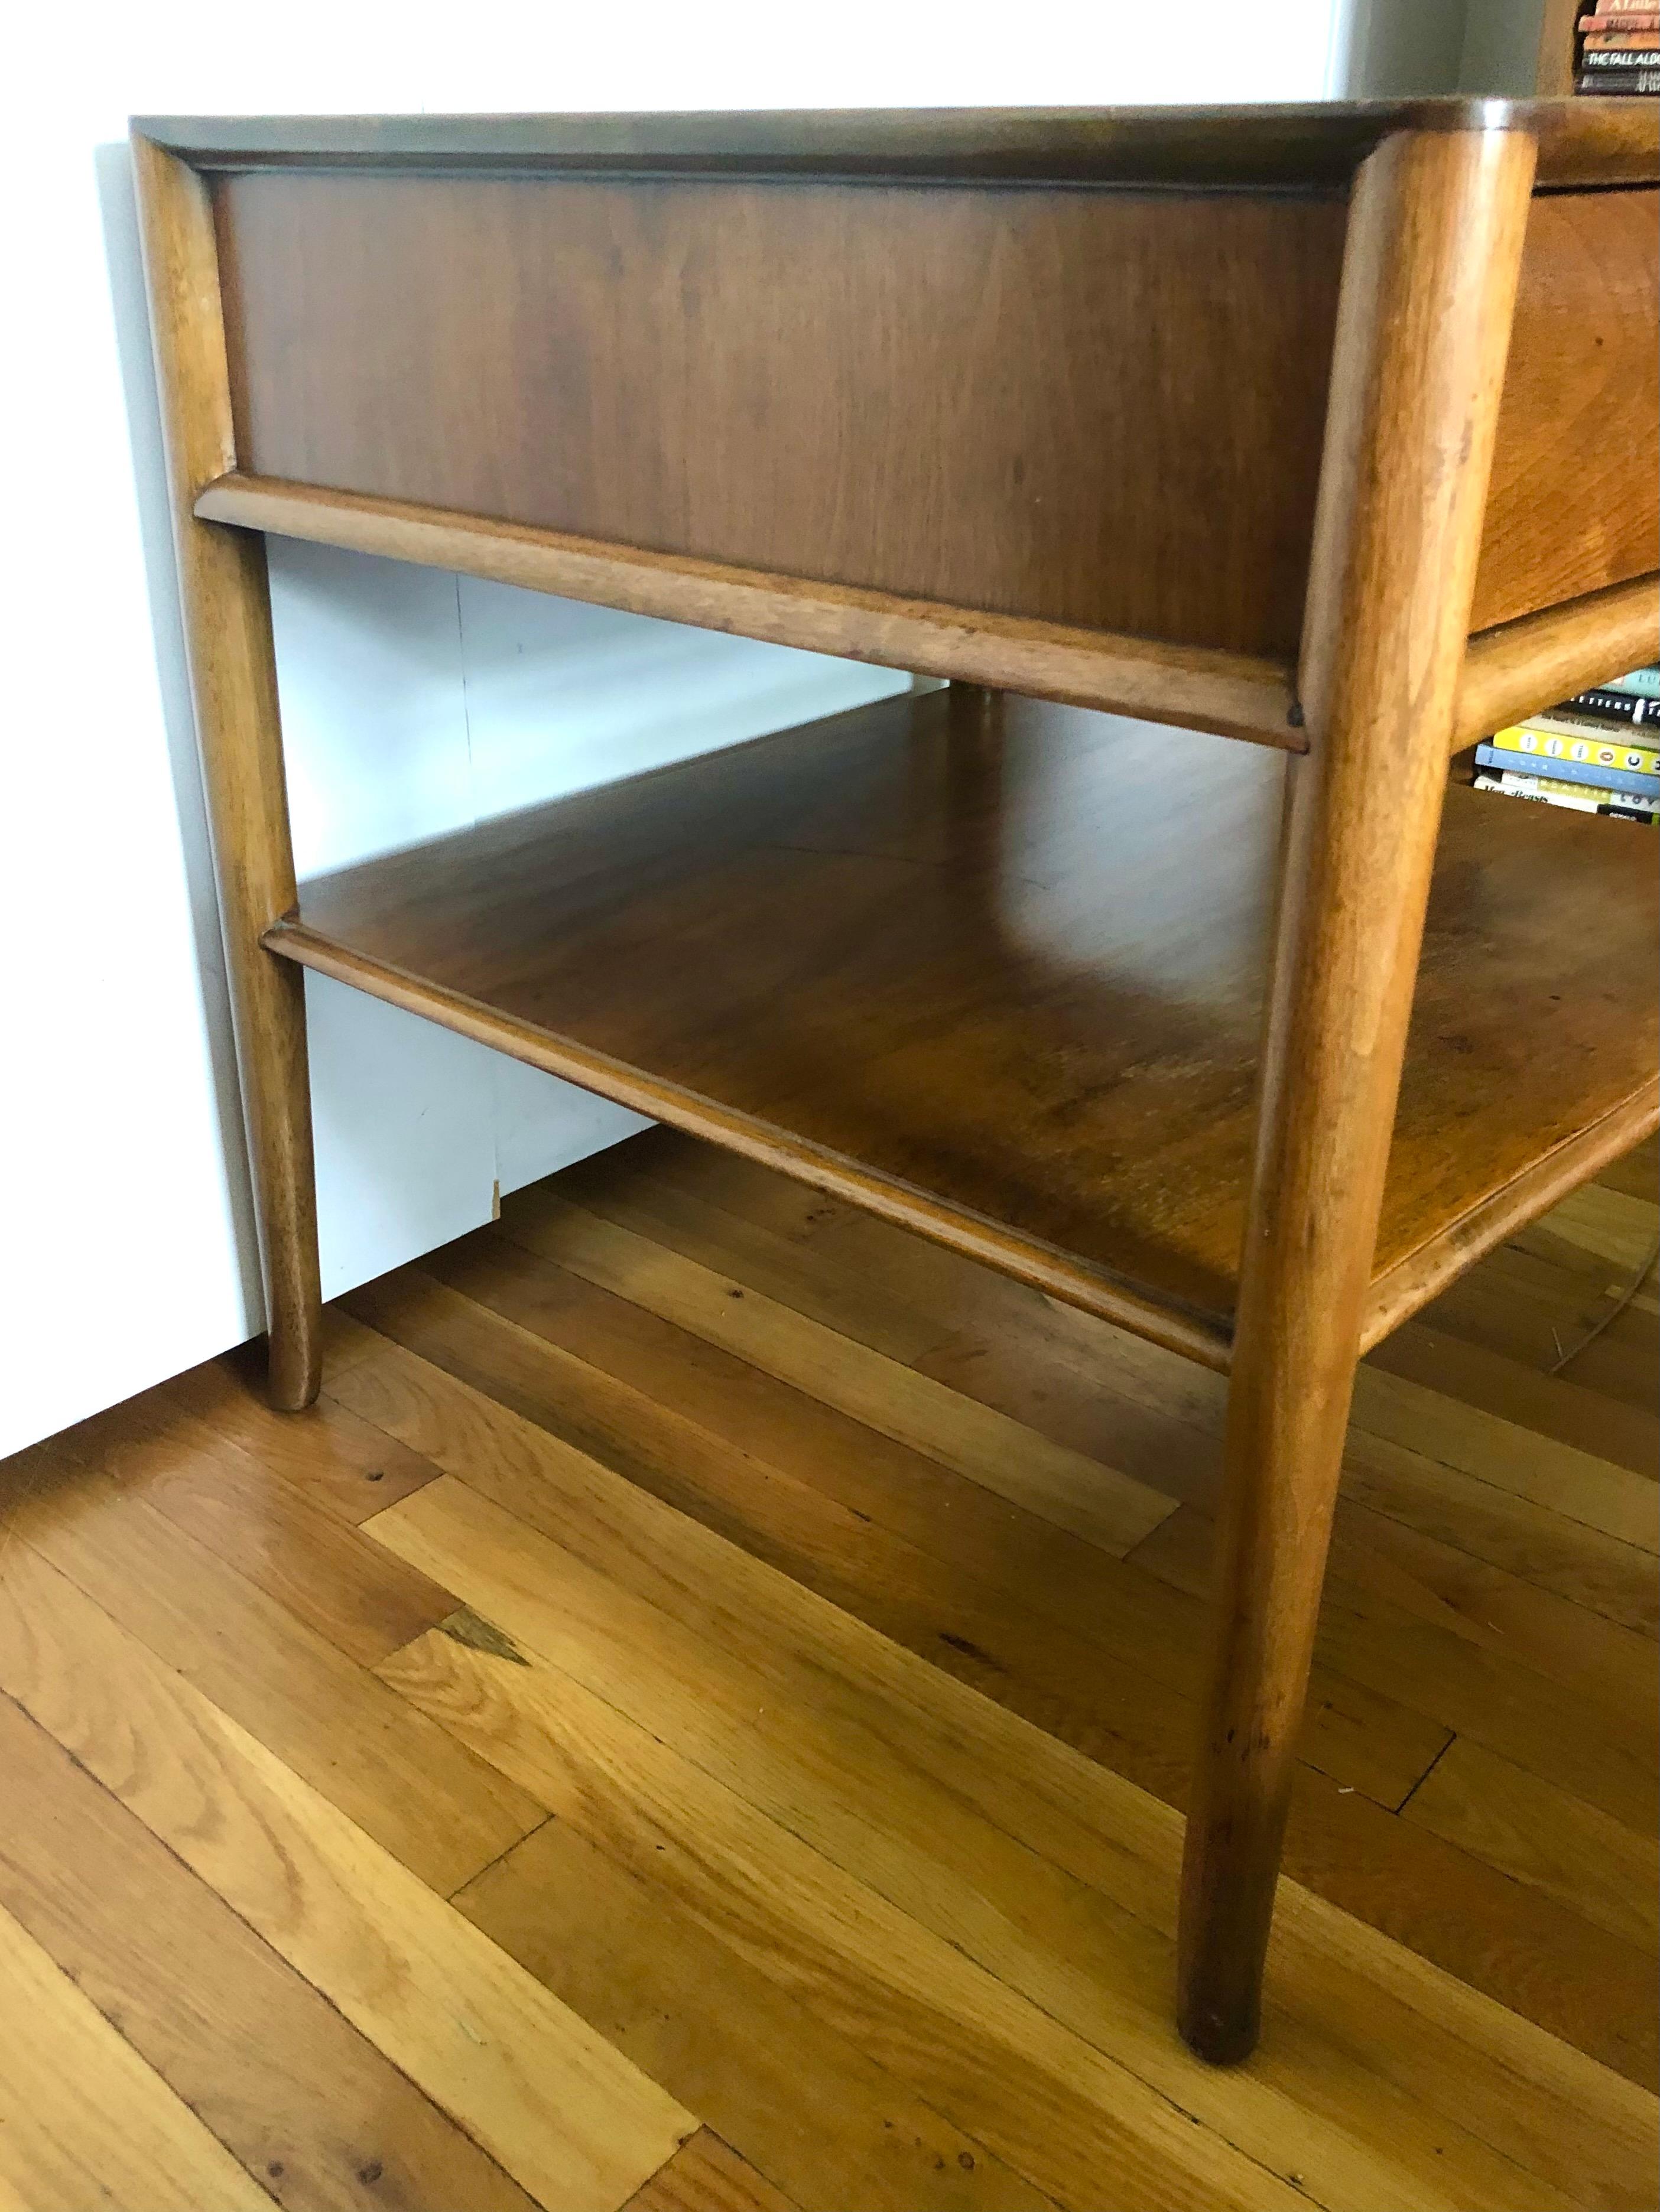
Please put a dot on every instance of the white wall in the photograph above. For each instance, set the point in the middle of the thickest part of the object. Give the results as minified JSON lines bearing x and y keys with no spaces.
{"x":414,"y":702}
{"x":126,"y":1250}
{"x":1396,"y":48}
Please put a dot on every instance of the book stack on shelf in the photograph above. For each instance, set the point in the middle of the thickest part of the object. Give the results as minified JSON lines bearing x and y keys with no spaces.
{"x":1617,"y":48}
{"x":1598,"y":752}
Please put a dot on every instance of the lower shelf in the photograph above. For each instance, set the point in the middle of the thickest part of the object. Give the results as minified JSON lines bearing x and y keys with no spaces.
{"x":1000,"y":979}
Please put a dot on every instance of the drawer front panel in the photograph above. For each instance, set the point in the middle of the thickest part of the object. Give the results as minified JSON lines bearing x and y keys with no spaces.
{"x":1092,"y":406}
{"x":1575,"y":502}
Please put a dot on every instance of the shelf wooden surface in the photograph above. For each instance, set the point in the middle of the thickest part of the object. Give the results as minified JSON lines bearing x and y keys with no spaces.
{"x":1004,"y":982}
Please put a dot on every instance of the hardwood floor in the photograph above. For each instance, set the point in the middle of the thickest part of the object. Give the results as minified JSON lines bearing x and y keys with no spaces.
{"x":696,"y":1719}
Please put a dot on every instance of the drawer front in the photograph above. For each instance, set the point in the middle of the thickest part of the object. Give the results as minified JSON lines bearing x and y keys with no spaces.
{"x":1575,"y":502}
{"x":1089,"y":405}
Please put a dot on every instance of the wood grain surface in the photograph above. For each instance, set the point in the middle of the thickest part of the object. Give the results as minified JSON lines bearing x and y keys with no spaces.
{"x":867,"y":1774}
{"x":1509,"y":669}
{"x":1574,"y":502}
{"x":1435,"y":239}
{"x":837,"y":385}
{"x":1195,"y":687}
{"x":225,"y":601}
{"x":1581,"y":141}
{"x":993,"y":974}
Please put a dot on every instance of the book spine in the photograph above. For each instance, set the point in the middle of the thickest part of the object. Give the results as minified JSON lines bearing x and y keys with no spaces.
{"x":1645,"y":682}
{"x":1618,"y":42}
{"x":1515,"y":787}
{"x":1610,"y":706}
{"x":1553,"y":787}
{"x":1619,"y":88}
{"x":1608,"y":11}
{"x":1600,"y":748}
{"x":1561,"y":733}
{"x":1589,"y":726}
{"x":1634,"y":60}
{"x":1595,"y":774}
{"x":1629,"y":27}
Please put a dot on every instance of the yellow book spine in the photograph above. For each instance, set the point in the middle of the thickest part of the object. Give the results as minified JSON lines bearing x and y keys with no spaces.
{"x":1592,"y":750}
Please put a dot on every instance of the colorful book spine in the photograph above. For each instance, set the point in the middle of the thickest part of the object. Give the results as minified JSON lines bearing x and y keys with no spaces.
{"x":1583,"y":743}
{"x":1644,"y":681}
{"x":1595,"y":775}
{"x":1608,"y":10}
{"x":1620,"y":61}
{"x":1576,"y":799}
{"x":1584,"y":793}
{"x":1559,"y":724}
{"x":1605,"y":704}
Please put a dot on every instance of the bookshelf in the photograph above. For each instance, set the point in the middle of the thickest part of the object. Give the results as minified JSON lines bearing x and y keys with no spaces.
{"x":1561,"y":49}
{"x":1244,"y":1031}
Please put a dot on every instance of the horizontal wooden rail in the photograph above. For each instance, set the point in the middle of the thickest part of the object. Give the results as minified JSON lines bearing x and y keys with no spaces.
{"x":1299,"y":144}
{"x":1523,"y":666}
{"x":1028,"y":1260}
{"x":1396,"y":1296}
{"x":1196,"y":687}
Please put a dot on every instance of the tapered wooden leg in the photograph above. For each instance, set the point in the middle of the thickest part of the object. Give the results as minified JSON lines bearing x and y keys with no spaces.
{"x":1429,"y":278}
{"x":225,"y":602}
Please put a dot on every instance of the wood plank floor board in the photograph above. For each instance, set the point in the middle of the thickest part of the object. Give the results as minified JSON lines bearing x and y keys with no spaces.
{"x":311,"y":1561}
{"x":967,"y":1880}
{"x":1027,"y":1783}
{"x":1638,"y":1174}
{"x":704,"y":1201}
{"x":1069,"y":2118}
{"x":306,"y":2103}
{"x":1550,"y":1405}
{"x":1600,"y":1868}
{"x":133,"y":2142}
{"x":1044,"y":1569}
{"x":804,"y":2102}
{"x":978,"y":1601}
{"x":1532,"y":1310}
{"x":1595,"y":1231}
{"x":1605,"y":1752}
{"x":643,"y":1186}
{"x":1576,"y":1486}
{"x":1109,"y":1509}
{"x":333,"y":1460}
{"x":751,"y":1253}
{"x":1524,"y":1537}
{"x":1038,"y":1377}
{"x":1470,"y":1918}
{"x":441,"y":1811}
{"x":706,"y":2175}
{"x":1386,"y":1562}
{"x":696,"y":1719}
{"x":567,"y":2115}
{"x":976,"y":1568}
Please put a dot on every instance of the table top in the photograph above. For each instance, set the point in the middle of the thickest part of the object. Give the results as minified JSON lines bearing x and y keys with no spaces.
{"x":1581,"y":141}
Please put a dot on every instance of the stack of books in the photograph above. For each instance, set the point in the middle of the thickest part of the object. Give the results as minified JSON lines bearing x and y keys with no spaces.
{"x":1598,"y":752}
{"x":1618,"y":47}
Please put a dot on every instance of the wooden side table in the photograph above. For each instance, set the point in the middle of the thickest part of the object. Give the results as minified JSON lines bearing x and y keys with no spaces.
{"x":1332,"y":431}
